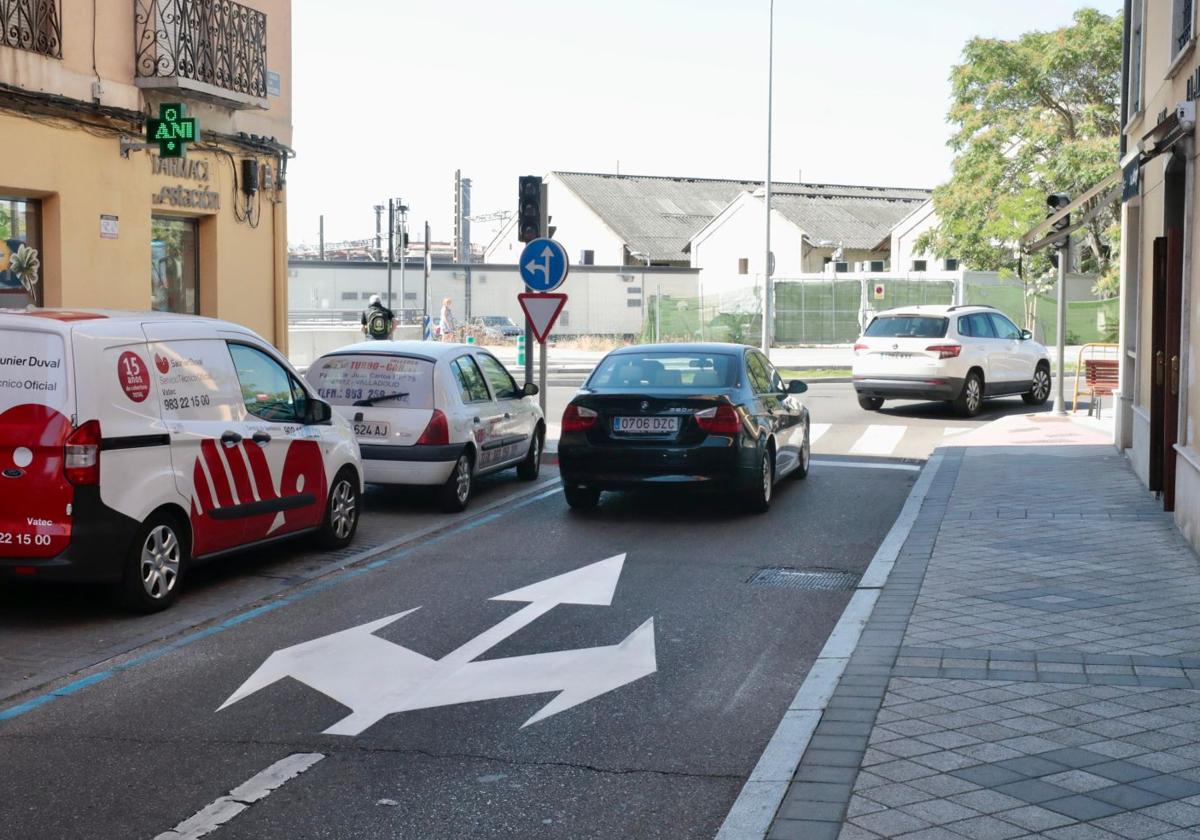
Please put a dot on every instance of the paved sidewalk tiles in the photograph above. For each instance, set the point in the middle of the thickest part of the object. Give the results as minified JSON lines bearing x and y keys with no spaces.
{"x":1018,"y":678}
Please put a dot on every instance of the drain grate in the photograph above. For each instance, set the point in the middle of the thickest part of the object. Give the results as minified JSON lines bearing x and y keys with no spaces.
{"x":826,"y":580}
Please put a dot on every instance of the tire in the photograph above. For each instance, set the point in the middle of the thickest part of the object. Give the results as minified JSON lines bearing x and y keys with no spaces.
{"x":455,"y":494}
{"x":1040,"y":391}
{"x":969,"y":401}
{"x":531,"y":467}
{"x":156,"y":563}
{"x":340,"y":522}
{"x":581,"y":498}
{"x":759,"y":498}
{"x":870,"y":403}
{"x":801,"y":472}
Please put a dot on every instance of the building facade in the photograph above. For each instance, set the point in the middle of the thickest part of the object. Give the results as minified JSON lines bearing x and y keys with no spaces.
{"x":1159,"y":402}
{"x":90,"y":215}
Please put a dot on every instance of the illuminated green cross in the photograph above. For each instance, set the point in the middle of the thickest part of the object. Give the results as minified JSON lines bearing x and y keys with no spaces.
{"x":171,"y":130}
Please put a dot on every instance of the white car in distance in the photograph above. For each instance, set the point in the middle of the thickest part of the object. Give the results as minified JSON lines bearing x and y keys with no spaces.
{"x":432,"y":414}
{"x":961,"y":354}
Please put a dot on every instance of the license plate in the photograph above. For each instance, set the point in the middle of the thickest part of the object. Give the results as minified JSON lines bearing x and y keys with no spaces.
{"x":371,"y":430}
{"x":898,"y":355}
{"x":646,"y":425}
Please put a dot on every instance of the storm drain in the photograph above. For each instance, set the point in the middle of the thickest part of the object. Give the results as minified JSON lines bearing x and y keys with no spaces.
{"x":826,"y":580}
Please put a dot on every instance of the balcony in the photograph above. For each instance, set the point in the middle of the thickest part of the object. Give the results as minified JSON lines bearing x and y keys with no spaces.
{"x":210,"y":49}
{"x":34,"y":25}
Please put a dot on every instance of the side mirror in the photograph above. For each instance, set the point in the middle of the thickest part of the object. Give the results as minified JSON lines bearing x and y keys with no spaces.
{"x":530,"y":390}
{"x":319,"y":412}
{"x":795,"y":386}
{"x":1026,"y":335}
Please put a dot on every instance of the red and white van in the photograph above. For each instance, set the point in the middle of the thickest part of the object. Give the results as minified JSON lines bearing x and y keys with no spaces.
{"x":132,"y":444}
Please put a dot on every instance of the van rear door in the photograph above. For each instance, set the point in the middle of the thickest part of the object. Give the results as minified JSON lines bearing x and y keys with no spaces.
{"x":36,"y":408}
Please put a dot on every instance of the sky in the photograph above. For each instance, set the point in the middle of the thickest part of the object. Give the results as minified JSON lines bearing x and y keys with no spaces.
{"x":392,"y":96}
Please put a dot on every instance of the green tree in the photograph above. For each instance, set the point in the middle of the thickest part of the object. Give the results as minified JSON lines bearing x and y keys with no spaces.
{"x":1033,"y":116}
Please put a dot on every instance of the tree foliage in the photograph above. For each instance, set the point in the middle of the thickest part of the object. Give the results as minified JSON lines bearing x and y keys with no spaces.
{"x":1033,"y":116}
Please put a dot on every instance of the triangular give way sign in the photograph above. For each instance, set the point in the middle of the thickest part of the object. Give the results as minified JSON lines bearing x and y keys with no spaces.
{"x":542,"y":310}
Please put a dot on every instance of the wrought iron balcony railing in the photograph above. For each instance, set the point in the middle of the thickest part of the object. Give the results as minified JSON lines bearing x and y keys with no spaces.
{"x":34,"y":25}
{"x":216,"y":47}
{"x":1185,"y":25}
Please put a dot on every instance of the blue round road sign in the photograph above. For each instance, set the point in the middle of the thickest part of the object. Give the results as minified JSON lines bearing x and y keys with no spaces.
{"x":544,"y":265}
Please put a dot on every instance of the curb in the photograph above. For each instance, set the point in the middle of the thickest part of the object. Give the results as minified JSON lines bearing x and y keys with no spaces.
{"x":754,"y":810}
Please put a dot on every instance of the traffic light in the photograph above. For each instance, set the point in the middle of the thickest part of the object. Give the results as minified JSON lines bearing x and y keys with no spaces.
{"x":1056,"y":202}
{"x":529,"y":208}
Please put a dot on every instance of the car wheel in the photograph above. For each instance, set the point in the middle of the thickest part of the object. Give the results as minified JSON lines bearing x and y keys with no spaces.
{"x":970,"y":400}
{"x":1040,"y":391}
{"x":454,"y":495}
{"x":341,"y":511}
{"x":581,"y":498}
{"x":801,"y":471}
{"x":759,"y":498}
{"x":155,"y":564}
{"x":529,"y":469}
{"x":870,"y":403}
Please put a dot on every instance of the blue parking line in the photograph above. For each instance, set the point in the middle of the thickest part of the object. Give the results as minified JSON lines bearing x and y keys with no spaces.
{"x":334,"y":580}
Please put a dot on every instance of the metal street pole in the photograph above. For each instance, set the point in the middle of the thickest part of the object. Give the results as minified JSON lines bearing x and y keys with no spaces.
{"x":391,"y":248}
{"x":403,"y":249}
{"x":1064,"y":257}
{"x":768,"y":291}
{"x":425,"y":285}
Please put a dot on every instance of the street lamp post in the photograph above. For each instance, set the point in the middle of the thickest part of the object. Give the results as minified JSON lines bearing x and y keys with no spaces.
{"x":768,"y":291}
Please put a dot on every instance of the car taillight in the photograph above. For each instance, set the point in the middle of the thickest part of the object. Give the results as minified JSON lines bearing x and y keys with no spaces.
{"x":945,"y":351}
{"x":437,"y":432}
{"x":578,"y":418}
{"x":719,"y":420}
{"x":81,"y":454}
{"x":861,"y":346}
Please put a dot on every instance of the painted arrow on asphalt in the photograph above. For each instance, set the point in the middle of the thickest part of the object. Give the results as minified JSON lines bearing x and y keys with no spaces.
{"x":375,"y":677}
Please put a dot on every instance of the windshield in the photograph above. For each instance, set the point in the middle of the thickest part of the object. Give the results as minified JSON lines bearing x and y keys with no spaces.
{"x":681,"y":370}
{"x":348,"y":379}
{"x":907,"y":326}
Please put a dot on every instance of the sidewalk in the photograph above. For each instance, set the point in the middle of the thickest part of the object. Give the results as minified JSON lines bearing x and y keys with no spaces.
{"x":1031,"y":668}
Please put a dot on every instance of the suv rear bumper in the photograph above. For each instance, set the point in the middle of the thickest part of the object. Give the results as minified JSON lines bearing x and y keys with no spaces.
{"x":909,"y":387}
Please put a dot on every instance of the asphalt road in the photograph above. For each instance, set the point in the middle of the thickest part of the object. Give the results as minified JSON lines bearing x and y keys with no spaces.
{"x":142,"y":747}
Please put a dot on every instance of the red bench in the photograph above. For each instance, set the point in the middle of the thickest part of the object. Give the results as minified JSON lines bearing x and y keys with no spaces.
{"x":1102,"y":377}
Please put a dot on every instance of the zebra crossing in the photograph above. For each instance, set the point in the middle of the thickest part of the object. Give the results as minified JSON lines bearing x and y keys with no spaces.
{"x":881,"y":440}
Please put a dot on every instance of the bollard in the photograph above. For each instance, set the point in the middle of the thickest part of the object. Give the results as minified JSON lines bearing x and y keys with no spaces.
{"x":470,"y":339}
{"x":521,"y":351}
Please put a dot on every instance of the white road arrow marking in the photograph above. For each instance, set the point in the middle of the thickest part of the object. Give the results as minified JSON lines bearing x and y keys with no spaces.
{"x":375,"y":677}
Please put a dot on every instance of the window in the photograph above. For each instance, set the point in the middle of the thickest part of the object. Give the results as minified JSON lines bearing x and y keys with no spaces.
{"x":268,"y":390}
{"x":622,"y":370}
{"x":20,"y":253}
{"x":743,"y":265}
{"x":587,"y":257}
{"x":1004,"y":328}
{"x":564,"y":318}
{"x":760,"y":380}
{"x":634,"y":290}
{"x":633,"y":303}
{"x":503,"y":385}
{"x":174,"y":265}
{"x":1181,"y":25}
{"x":979,"y":326}
{"x":34,"y":25}
{"x":907,"y":326}
{"x":951,"y":265}
{"x":349,"y":295}
{"x":346,"y":379}
{"x":410,"y":295}
{"x":920,"y":265}
{"x":1134,"y":92}
{"x":471,"y":386}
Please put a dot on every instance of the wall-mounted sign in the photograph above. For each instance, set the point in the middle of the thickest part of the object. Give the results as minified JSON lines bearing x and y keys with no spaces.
{"x":172,"y":130}
{"x":109,"y":227}
{"x":193,"y":169}
{"x":880,"y":292}
{"x":274,"y":86}
{"x":189,"y":199}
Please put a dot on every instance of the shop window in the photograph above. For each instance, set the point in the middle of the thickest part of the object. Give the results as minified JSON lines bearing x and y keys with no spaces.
{"x":20,"y":252}
{"x":174,"y":265}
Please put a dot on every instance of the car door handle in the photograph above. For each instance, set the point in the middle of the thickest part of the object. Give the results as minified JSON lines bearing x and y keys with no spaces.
{"x":231,"y":438}
{"x":261,"y":438}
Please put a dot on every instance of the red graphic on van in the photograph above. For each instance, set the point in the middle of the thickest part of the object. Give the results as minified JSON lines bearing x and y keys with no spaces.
{"x":133,"y":376}
{"x":162,"y":363}
{"x":34,"y":493}
{"x":236,"y":501}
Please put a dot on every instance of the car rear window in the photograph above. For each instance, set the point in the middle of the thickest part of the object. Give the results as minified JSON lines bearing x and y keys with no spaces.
{"x":666,"y":370}
{"x":33,"y":369}
{"x":344,"y":379}
{"x":907,"y":326}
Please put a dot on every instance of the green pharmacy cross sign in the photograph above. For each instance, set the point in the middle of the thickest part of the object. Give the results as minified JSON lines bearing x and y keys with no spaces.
{"x":172,"y":131}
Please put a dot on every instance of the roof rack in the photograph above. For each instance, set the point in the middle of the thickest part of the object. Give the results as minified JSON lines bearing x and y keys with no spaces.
{"x":968,"y":305}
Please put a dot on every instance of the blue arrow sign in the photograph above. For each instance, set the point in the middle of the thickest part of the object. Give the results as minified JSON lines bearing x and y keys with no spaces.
{"x":544,"y":265}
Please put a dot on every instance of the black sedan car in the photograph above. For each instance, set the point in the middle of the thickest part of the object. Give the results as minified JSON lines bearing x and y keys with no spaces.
{"x":711,"y":416}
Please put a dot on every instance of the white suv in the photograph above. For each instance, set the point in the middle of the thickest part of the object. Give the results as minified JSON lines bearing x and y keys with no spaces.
{"x":962,"y":354}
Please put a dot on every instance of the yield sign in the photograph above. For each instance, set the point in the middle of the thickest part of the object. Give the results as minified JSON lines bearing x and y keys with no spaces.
{"x":375,"y":678}
{"x":542,"y":311}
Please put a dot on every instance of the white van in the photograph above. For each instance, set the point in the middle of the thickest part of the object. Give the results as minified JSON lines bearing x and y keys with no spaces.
{"x":134,"y":443}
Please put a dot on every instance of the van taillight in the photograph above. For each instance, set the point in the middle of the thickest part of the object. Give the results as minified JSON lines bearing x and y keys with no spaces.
{"x":719,"y":420}
{"x":578,"y":418}
{"x":945,"y":351}
{"x":81,"y":454}
{"x":436,"y":433}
